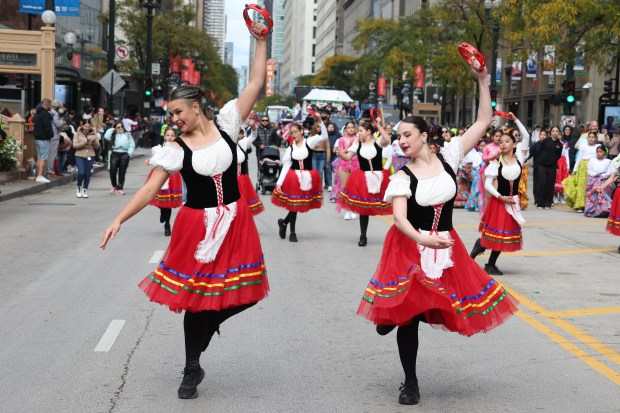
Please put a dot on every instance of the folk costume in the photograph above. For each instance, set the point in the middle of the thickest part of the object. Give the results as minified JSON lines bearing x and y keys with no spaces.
{"x":247,"y":190}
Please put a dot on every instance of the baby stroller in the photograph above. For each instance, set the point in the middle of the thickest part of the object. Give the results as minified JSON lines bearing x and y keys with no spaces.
{"x":269,"y":168}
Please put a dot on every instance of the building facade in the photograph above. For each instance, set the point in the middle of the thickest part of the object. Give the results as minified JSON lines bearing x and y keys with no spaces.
{"x":214,"y":23}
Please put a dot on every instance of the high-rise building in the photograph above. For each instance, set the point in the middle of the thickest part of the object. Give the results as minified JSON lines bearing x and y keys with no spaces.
{"x":242,"y":74}
{"x":299,"y":42}
{"x":277,"y":39}
{"x":329,"y":30}
{"x":228,"y":53}
{"x":214,"y":23}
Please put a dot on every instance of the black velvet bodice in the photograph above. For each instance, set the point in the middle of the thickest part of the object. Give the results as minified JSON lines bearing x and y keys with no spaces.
{"x":503,"y":184}
{"x":307,"y":161}
{"x":375,"y":162}
{"x":244,"y":164}
{"x":421,"y":217}
{"x":201,"y":189}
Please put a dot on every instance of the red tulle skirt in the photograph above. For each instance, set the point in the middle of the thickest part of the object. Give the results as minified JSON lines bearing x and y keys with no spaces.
{"x":561,"y":174}
{"x":237,"y":276}
{"x":613,"y":221}
{"x":465,"y":299}
{"x":500,"y":231}
{"x":355,"y":197}
{"x":293,"y":199}
{"x":171,"y":197}
{"x":249,"y":194}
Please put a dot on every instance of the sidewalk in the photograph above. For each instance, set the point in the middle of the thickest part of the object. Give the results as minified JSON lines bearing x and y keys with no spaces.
{"x":24,"y":187}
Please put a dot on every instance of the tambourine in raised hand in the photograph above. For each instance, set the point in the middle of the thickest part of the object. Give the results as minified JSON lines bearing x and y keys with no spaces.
{"x":501,"y":114}
{"x":470,"y":54}
{"x":263,"y":12}
{"x":375,"y":115}
{"x":312,"y":113}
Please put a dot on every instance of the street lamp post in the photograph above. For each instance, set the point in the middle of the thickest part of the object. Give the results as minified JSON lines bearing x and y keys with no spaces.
{"x":488,"y":5}
{"x":149,"y":5}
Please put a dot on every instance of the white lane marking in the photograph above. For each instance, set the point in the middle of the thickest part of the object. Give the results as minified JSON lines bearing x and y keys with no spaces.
{"x":110,"y":335}
{"x":157,"y":256}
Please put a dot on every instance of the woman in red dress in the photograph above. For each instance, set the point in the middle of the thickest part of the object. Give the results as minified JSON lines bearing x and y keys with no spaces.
{"x":425,"y":273}
{"x":171,"y":193}
{"x":214,"y":266}
{"x":613,"y":220}
{"x":299,"y":187}
{"x":365,"y":188}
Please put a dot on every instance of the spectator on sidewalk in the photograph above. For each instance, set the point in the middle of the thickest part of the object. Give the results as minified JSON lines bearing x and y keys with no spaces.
{"x":57,"y":123}
{"x":43,"y":133}
{"x":122,"y":145}
{"x":266,"y":135}
{"x":86,"y":143}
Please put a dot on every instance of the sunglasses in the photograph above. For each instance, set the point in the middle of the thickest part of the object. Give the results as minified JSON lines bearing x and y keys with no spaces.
{"x":119,"y":127}
{"x":264,"y":120}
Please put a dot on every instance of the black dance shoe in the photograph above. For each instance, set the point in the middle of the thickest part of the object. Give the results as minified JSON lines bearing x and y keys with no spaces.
{"x":363,"y":241}
{"x":282,"y":228}
{"x":385,"y":329}
{"x":167,"y":231}
{"x":192,"y":376}
{"x":492,"y":270}
{"x":292,"y":237}
{"x":476,"y":250}
{"x":409,"y":393}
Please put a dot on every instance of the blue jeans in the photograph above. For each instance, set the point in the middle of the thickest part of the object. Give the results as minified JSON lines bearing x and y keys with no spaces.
{"x":318,"y":163}
{"x":84,"y":166}
{"x":329,"y":171}
{"x":62,"y":161}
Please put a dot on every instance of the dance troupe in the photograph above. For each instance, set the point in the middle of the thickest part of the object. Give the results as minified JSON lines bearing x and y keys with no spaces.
{"x":214,"y":267}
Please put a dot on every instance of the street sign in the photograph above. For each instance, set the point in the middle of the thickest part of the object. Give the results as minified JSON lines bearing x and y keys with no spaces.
{"x":112,"y":82}
{"x":568,"y":121}
{"x":155,"y":68}
{"x":122,"y":52}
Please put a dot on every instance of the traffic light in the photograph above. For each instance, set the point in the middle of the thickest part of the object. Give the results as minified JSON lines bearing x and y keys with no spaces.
{"x":570,"y":91}
{"x":608,"y":86}
{"x":148,"y":87}
{"x":493,"y":98}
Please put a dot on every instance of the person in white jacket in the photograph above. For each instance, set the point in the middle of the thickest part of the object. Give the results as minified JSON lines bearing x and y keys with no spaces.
{"x":123,"y":146}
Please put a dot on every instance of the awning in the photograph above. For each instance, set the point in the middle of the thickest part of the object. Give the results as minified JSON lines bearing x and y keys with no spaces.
{"x":327,"y":95}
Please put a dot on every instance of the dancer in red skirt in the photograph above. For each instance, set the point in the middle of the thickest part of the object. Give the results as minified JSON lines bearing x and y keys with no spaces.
{"x":365,"y":188}
{"x":171,"y":193}
{"x":214,"y":267}
{"x":425,"y":273}
{"x":613,"y":220}
{"x":299,"y":187}
{"x":500,"y":225}
{"x":245,"y":184}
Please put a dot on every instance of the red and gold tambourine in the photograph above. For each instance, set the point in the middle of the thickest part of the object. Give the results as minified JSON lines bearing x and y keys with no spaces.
{"x":263,"y":12}
{"x":501,"y":114}
{"x":470,"y":54}
{"x":375,"y":114}
{"x":312,"y":113}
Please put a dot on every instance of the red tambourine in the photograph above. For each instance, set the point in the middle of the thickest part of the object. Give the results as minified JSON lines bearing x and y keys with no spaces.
{"x":469,"y":53}
{"x":375,"y":114}
{"x":263,"y":12}
{"x":501,"y":114}
{"x":312,"y":113}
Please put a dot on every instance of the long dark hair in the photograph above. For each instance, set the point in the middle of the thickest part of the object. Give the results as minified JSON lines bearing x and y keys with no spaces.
{"x":113,"y":138}
{"x":423,"y":127}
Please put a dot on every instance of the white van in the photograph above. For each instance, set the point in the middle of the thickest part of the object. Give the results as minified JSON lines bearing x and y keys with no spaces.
{"x":277,"y":113}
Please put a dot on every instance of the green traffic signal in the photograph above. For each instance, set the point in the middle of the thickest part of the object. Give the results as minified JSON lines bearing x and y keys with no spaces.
{"x":570,"y":98}
{"x":147,"y":92}
{"x":493,"y":104}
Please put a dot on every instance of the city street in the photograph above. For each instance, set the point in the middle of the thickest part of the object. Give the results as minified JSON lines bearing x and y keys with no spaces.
{"x":77,"y":335}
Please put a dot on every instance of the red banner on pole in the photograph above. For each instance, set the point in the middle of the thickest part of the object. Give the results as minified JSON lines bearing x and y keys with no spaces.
{"x":418,"y":77}
{"x":175,"y":64}
{"x":381,"y":82}
{"x":185,"y":68}
{"x":197,"y":76}
{"x":76,"y":61}
{"x":192,"y":73}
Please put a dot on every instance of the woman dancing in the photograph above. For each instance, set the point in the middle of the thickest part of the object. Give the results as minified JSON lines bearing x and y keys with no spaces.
{"x":425,"y":273}
{"x":214,"y":267}
{"x":613,"y":221}
{"x":245,"y":184}
{"x":299,"y":187}
{"x":365,"y":188}
{"x":344,"y":168}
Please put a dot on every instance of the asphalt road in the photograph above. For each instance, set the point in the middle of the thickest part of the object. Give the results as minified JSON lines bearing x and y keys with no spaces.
{"x":302,"y":349}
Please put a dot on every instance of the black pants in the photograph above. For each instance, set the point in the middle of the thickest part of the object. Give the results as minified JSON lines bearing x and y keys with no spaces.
{"x":544,"y":185}
{"x":119,"y":161}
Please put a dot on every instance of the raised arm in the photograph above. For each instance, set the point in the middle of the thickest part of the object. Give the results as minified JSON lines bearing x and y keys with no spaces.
{"x":257,"y":75}
{"x":485,"y":113}
{"x":386,"y":137}
{"x":315,"y":140}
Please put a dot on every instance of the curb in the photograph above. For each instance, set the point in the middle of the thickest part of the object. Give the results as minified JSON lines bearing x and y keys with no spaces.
{"x":40,"y":187}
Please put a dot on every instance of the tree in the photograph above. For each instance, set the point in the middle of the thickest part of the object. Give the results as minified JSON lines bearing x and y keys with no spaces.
{"x":573,"y":26}
{"x":272,"y":101}
{"x":173,"y":34}
{"x":337,"y":71}
{"x":304,"y":80}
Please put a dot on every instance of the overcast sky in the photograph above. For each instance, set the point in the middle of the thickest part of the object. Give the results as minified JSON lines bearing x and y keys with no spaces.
{"x":237,"y":32}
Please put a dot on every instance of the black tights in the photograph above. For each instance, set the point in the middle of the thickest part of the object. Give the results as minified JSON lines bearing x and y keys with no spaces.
{"x":407,"y":339}
{"x":199,"y":329}
{"x":363,"y":224}
{"x":291,"y":218}
{"x":493,"y":257}
{"x":164,"y":215}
